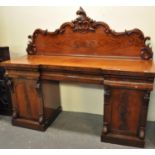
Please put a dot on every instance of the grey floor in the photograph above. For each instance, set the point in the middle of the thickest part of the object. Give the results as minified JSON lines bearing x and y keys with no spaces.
{"x":70,"y":130}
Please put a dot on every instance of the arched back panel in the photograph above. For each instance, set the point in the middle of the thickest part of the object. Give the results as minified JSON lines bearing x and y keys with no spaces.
{"x":86,"y":37}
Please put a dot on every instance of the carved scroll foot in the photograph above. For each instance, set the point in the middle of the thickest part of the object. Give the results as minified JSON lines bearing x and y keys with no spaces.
{"x":15,"y":114}
{"x":142,"y":133}
{"x":41,"y":119}
{"x":105,"y":128}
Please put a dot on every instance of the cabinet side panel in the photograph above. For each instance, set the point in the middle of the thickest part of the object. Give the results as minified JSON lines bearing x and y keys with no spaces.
{"x":51,"y":96}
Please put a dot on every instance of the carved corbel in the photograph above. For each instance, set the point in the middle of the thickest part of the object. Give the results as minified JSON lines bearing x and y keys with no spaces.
{"x":39,"y":91}
{"x":107,"y":93}
{"x":146,"y":98}
{"x":9,"y":83}
{"x":38,"y":87}
{"x":141,"y":132}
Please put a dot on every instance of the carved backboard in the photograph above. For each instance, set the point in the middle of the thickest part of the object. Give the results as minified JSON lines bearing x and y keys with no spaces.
{"x":86,"y":37}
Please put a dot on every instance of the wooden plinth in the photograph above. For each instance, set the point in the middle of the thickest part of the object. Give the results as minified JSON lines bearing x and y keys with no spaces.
{"x":123,"y":140}
{"x":36,"y":125}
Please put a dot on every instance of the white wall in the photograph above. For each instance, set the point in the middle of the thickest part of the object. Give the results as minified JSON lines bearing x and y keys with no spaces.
{"x":16,"y":23}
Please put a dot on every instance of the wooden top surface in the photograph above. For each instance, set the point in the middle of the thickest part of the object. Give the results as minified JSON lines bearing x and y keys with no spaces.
{"x":124,"y":65}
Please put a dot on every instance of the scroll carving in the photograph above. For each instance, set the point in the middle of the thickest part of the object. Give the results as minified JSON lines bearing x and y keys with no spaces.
{"x":146,"y":52}
{"x":31,"y":48}
{"x":109,"y":44}
{"x":83,"y":23}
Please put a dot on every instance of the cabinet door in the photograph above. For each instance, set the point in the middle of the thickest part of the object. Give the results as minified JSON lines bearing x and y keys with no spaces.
{"x":126,"y":108}
{"x":27,"y":100}
{"x":125,"y":111}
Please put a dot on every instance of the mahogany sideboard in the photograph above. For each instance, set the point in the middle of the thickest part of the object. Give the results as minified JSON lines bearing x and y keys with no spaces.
{"x":85,"y":51}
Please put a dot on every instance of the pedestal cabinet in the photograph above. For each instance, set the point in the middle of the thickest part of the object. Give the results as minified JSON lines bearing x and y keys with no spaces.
{"x":125,"y":113}
{"x":36,"y":103}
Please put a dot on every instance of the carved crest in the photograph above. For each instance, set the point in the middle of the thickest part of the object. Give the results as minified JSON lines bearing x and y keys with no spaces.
{"x":84,"y":24}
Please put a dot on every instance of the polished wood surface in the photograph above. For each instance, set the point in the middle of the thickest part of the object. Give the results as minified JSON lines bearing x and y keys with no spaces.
{"x":92,"y":43}
{"x":85,"y":51}
{"x":84,"y":36}
{"x":121,"y":65}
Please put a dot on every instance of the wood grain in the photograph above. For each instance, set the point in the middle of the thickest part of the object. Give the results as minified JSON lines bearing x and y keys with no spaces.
{"x":84,"y":36}
{"x":85,"y":51}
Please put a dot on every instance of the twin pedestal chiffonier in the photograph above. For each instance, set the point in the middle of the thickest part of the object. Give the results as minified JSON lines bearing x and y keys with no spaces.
{"x":85,"y":51}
